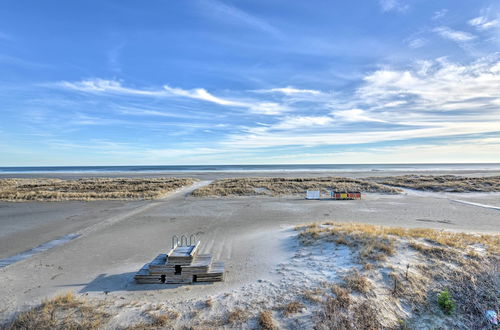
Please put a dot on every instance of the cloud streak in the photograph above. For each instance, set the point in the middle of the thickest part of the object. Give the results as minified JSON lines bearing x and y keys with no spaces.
{"x":102,"y":86}
{"x":235,"y":16}
{"x":454,"y":35}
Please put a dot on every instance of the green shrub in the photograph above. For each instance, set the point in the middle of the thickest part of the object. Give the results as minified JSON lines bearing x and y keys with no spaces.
{"x":446,"y":302}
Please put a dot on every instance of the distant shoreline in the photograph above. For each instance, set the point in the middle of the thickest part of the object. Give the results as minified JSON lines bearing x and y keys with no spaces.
{"x":317,"y":168}
{"x":213,"y":175}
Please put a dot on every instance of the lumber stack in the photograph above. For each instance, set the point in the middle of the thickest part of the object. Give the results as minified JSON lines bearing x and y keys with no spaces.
{"x":181,"y":265}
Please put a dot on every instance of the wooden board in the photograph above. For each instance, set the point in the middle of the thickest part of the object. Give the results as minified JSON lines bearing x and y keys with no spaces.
{"x":182,"y":255}
{"x":182,"y":265}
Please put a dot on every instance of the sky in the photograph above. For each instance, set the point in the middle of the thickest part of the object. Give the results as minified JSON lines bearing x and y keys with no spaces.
{"x":159,"y":82}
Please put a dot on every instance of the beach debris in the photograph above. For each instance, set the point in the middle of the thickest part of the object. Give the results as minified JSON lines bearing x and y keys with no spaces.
{"x":492,"y":317}
{"x":346,"y":195}
{"x":181,"y":265}
{"x":312,"y":194}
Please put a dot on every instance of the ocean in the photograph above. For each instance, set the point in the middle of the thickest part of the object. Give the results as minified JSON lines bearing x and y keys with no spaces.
{"x":253,"y":168}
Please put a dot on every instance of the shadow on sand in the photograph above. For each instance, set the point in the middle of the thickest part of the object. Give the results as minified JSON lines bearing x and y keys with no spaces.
{"x":123,"y":282}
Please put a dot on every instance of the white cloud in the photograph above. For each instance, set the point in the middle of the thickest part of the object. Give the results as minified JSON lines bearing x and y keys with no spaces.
{"x":440,"y":14}
{"x":280,"y":139}
{"x":116,"y":87}
{"x":302,"y":122}
{"x":106,"y":86}
{"x":201,"y":94}
{"x":483,"y":23}
{"x":436,"y":85}
{"x":393,"y":5}
{"x":233,"y":15}
{"x":430,"y":100}
{"x":417,"y":43}
{"x":354,"y":115}
{"x":454,"y":35}
{"x":290,"y":91}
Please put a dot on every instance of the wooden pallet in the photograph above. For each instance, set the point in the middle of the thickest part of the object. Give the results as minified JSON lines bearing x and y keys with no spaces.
{"x":182,"y":255}
{"x":181,"y":265}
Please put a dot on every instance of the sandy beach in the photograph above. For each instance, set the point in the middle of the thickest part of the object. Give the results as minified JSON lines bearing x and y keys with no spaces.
{"x":253,"y":235}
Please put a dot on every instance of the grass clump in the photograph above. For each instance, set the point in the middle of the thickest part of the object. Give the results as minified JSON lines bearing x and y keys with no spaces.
{"x":62,"y":312}
{"x":266,"y":320}
{"x":357,"y":282}
{"x":449,"y":183}
{"x":88,"y":189}
{"x":288,"y":186}
{"x":446,"y":302}
{"x":340,"y":313}
{"x":236,"y":316}
{"x":293,"y":308}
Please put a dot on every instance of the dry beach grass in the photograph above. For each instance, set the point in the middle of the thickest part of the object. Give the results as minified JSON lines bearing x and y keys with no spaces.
{"x":288,"y":186}
{"x":62,"y":312}
{"x":88,"y":189}
{"x":450,"y":183}
{"x":409,"y":268}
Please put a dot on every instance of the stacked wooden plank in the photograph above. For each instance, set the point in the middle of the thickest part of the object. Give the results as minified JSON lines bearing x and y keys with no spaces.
{"x":181,"y":265}
{"x":214,"y":274}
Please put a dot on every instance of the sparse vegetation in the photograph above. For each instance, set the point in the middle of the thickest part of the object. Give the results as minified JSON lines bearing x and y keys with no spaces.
{"x":292,"y":308}
{"x":450,"y":183}
{"x":266,"y":320}
{"x":467,"y":264}
{"x":357,"y":282}
{"x":236,"y":316}
{"x":380,"y":239}
{"x":312,"y":295}
{"x":446,"y":302}
{"x":288,"y":186}
{"x":88,"y":189}
{"x":63,"y":312}
{"x":339,"y":313}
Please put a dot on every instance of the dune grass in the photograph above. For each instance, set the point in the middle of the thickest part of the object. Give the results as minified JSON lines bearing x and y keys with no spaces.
{"x":381,"y":238}
{"x":409,"y":267}
{"x":88,"y":189}
{"x":62,"y":312}
{"x":450,"y":183}
{"x":288,"y":186}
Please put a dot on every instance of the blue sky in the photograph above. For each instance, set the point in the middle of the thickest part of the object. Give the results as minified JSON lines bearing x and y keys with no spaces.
{"x":101,"y":82}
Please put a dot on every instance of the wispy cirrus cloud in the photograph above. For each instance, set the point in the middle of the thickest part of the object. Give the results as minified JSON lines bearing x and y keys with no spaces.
{"x":455,"y":35}
{"x":223,"y":12}
{"x":290,"y":91}
{"x":104,"y":86}
{"x":301,"y":122}
{"x":484,"y":23}
{"x":393,"y":5}
{"x":417,"y":43}
{"x":439,"y":14}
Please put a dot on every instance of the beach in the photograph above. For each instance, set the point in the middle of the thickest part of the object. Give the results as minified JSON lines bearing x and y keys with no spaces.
{"x":253,"y":235}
